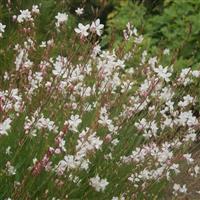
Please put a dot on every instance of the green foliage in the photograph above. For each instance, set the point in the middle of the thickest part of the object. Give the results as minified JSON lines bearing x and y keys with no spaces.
{"x":117,"y":20}
{"x":174,"y":26}
{"x":177,"y":28}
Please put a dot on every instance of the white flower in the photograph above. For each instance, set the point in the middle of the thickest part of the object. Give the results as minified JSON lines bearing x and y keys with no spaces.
{"x":183,"y":189}
{"x":163,"y":73}
{"x":191,"y":136}
{"x":176,"y":188}
{"x":96,"y":50}
{"x":166,"y":52}
{"x":196,"y":169}
{"x":186,"y":101}
{"x":188,"y":157}
{"x":2,"y":29}
{"x":73,"y":122}
{"x":175,"y":168}
{"x":97,"y":27}
{"x":35,"y":9}
{"x":10,"y":169}
{"x":104,"y":120}
{"x":61,"y":18}
{"x":115,"y":141}
{"x":139,"y":39}
{"x":152,"y":62}
{"x":60,"y":67}
{"x":153,"y":127}
{"x":82,"y":30}
{"x":43,"y":44}
{"x":24,"y":16}
{"x":8,"y":150}
{"x":196,"y":73}
{"x":5,"y":126}
{"x":98,"y":184}
{"x":130,"y":31}
{"x":92,"y":143}
{"x":46,"y":123}
{"x":150,"y":128}
{"x":79,"y":11}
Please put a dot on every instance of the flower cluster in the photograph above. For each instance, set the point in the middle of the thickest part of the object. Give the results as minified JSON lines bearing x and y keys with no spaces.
{"x":27,"y":15}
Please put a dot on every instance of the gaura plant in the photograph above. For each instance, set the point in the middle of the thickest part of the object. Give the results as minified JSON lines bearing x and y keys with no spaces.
{"x":79,"y":122}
